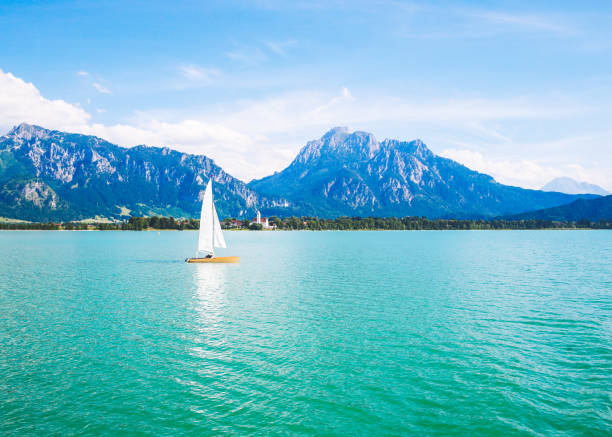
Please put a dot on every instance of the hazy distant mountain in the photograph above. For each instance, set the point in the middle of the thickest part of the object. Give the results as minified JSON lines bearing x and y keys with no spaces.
{"x":52,"y":175}
{"x":571,"y":186}
{"x":599,"y":208}
{"x":351,"y":173}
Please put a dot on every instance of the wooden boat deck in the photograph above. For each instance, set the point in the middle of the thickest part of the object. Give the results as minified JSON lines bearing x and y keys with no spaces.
{"x":216,"y":259}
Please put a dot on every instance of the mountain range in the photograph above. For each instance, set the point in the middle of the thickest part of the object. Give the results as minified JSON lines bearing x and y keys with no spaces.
{"x":52,"y":175}
{"x":351,"y":173}
{"x":571,"y":186}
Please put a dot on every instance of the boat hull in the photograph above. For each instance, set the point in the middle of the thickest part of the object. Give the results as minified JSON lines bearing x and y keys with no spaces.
{"x":216,"y":259}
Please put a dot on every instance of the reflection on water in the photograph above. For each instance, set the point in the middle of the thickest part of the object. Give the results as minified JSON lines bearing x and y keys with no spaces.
{"x":208,"y":277}
{"x":210,"y":305}
{"x":210,"y":298}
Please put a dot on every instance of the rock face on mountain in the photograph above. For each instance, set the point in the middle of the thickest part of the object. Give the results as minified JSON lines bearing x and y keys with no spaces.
{"x":570,"y":186}
{"x":52,"y":175}
{"x":346,"y":173}
{"x":599,"y":208}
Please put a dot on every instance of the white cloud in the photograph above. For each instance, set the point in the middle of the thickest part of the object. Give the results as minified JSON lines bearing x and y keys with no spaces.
{"x":523,"y":172}
{"x":306,"y":109}
{"x":199,"y":74}
{"x":253,"y":138}
{"x":82,"y":73}
{"x":101,"y":88}
{"x":507,"y":171}
{"x":234,"y":151}
{"x":20,"y":101}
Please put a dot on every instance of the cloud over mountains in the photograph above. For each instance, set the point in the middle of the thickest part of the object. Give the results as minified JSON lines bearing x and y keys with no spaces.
{"x":252,"y":138}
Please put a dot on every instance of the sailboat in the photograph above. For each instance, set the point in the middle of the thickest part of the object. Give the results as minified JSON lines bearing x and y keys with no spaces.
{"x":210,"y":235}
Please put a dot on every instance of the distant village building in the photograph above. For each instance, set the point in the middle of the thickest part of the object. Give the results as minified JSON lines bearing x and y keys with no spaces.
{"x":235,"y":223}
{"x":263,"y":221}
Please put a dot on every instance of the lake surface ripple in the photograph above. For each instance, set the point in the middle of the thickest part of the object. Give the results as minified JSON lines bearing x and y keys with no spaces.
{"x":341,"y":333}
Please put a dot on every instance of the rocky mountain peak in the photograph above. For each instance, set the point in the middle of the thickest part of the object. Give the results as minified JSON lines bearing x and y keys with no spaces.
{"x":416,"y":148}
{"x":339,"y":144}
{"x":28,"y":132}
{"x":352,"y":173}
{"x":335,"y":135}
{"x":342,"y":146}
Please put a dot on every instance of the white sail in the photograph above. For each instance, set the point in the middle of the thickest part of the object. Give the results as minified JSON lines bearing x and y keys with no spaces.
{"x":205,"y":240}
{"x":211,"y":235}
{"x":218,"y":239}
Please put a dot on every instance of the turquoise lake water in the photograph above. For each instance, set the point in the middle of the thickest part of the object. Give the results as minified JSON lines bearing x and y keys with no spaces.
{"x":334,"y":333}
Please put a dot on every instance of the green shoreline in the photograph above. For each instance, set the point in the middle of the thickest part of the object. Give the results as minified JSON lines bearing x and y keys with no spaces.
{"x":316,"y":224}
{"x":314,"y":230}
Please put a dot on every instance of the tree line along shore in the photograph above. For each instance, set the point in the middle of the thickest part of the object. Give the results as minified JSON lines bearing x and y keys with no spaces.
{"x":315,"y":224}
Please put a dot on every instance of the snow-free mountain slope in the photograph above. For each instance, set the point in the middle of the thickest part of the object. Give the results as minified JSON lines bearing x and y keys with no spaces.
{"x":352,"y":173}
{"x":52,"y":175}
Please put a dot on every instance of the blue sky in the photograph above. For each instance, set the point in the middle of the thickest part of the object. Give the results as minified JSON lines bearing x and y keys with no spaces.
{"x":520,"y":90}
